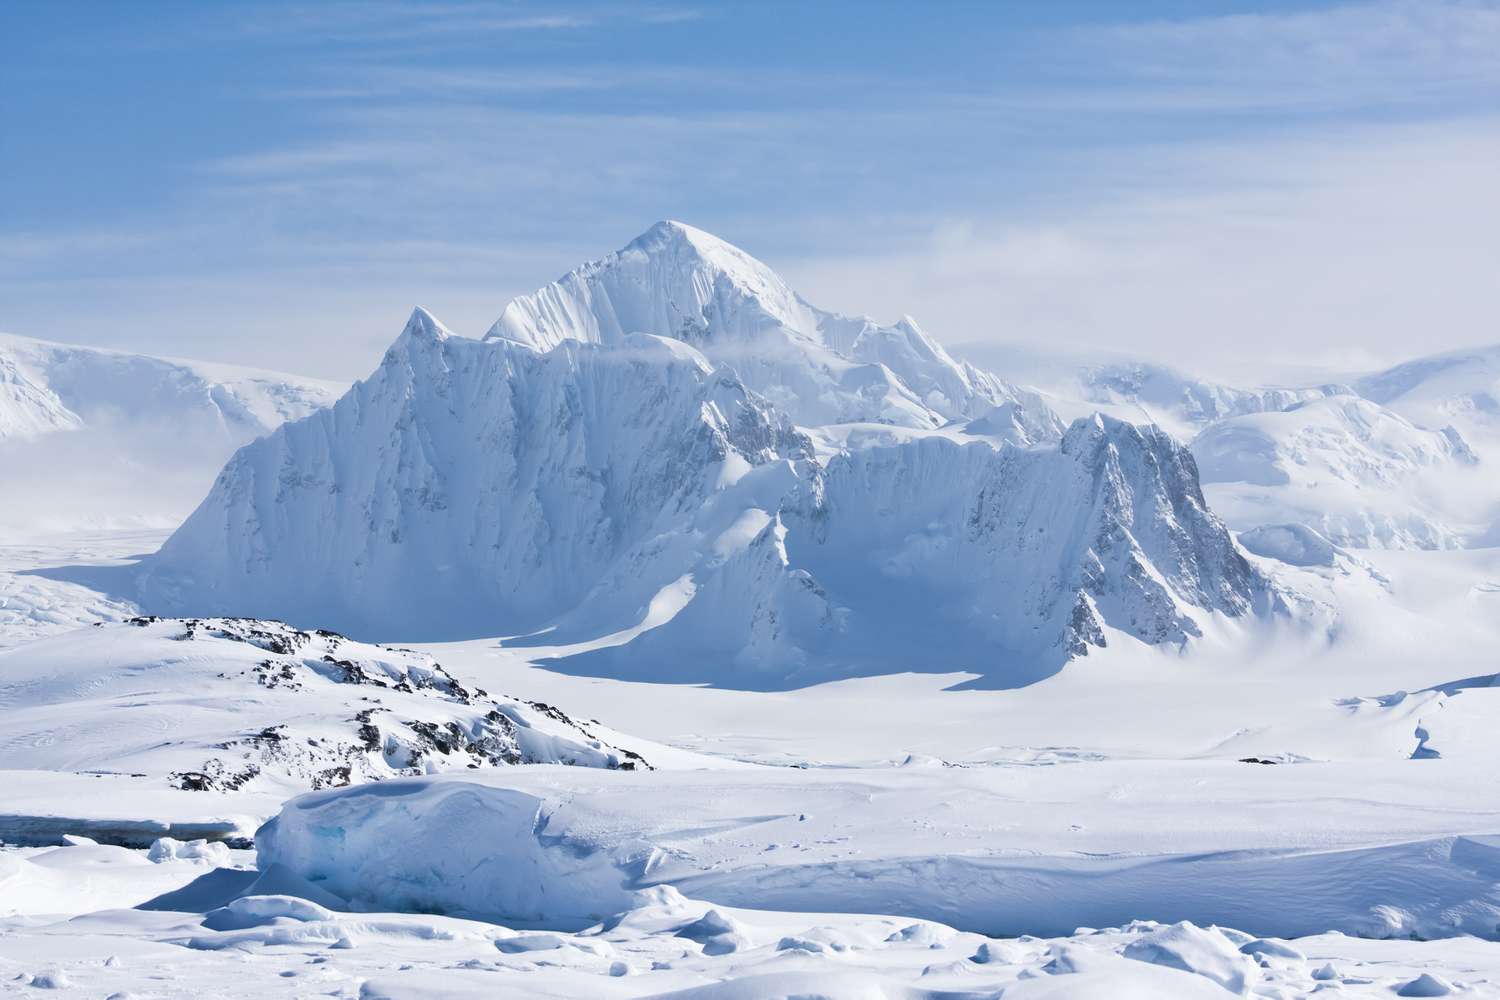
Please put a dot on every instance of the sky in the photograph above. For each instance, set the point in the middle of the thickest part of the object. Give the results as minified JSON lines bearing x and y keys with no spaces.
{"x":1219,"y":184}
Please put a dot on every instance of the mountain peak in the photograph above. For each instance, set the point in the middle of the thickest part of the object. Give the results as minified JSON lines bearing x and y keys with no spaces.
{"x":424,"y":325}
{"x":819,"y":367}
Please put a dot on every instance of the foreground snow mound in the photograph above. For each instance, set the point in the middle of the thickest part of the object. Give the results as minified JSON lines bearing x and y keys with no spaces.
{"x":1193,"y":949}
{"x":561,"y":847}
{"x":264,"y":941}
{"x":1347,"y":466}
{"x":818,"y":367}
{"x":224,"y":704}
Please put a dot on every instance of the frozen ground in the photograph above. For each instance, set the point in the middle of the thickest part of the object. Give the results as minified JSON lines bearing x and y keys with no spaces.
{"x":73,"y":931}
{"x":1109,"y":793}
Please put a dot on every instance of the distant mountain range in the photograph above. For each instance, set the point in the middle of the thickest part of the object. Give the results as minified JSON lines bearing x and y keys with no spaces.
{"x":668,"y":465}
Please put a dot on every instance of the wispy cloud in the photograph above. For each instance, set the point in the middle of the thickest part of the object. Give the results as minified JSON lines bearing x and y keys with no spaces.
{"x":1259,"y":177}
{"x":385,"y":21}
{"x":1353,"y":249}
{"x":1389,"y":52}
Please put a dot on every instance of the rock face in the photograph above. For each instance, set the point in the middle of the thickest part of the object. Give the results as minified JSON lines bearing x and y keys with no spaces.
{"x":261,"y":705}
{"x":646,"y":504}
{"x":1021,"y":555}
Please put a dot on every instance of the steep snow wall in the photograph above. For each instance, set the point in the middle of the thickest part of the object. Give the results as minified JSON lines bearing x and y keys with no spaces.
{"x":467,"y":487}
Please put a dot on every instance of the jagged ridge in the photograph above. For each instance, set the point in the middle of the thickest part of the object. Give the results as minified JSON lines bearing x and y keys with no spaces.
{"x":651,"y":514}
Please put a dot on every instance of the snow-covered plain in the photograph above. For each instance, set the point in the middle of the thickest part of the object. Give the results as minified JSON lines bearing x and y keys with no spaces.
{"x":789,"y":554}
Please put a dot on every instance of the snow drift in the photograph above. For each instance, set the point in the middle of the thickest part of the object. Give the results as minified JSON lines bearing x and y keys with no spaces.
{"x":561,"y":848}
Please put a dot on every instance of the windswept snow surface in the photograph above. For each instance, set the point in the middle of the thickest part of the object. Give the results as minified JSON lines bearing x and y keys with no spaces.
{"x":56,"y":583}
{"x":232,"y":934}
{"x":1165,"y":841}
{"x":94,"y":439}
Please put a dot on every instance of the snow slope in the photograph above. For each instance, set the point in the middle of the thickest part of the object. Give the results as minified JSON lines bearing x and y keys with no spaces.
{"x":93,"y":438}
{"x":638,"y":501}
{"x":229,"y":704}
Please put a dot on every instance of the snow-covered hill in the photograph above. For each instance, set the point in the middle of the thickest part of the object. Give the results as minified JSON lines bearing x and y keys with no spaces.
{"x":96,"y":438}
{"x":226,"y":704}
{"x":634,"y":495}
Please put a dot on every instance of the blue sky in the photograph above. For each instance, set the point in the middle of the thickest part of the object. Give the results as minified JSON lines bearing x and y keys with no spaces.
{"x":277,"y":184}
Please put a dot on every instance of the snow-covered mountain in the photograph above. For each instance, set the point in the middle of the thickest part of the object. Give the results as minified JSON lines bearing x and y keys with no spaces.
{"x":635,"y":500}
{"x":474,"y":488}
{"x":1343,"y":465}
{"x":46,"y":386}
{"x":818,"y":367}
{"x":1392,"y":459}
{"x":96,"y":438}
{"x":1179,"y":401}
{"x":1462,"y":387}
{"x":224,"y":704}
{"x":28,"y":407}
